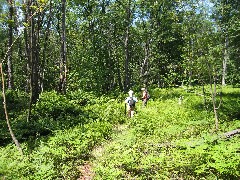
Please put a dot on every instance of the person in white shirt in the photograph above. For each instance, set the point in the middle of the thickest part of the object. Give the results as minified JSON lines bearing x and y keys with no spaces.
{"x":131,"y":101}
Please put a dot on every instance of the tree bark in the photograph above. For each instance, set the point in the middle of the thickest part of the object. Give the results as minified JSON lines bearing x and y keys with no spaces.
{"x":116,"y":57}
{"x":119,"y":75}
{"x":35,"y":60}
{"x":32,"y":52}
{"x":63,"y":61}
{"x":6,"y":113}
{"x":231,"y":133}
{"x":46,"y":41}
{"x":144,"y":67}
{"x":27,"y":43}
{"x":10,"y":42}
{"x":225,"y":60}
{"x":213,"y":95}
{"x":126,"y":46}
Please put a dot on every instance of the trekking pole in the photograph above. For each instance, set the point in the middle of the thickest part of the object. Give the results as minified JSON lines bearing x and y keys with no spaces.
{"x":125,"y":110}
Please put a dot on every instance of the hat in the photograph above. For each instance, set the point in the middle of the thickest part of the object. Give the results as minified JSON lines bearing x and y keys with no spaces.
{"x":143,"y":89}
{"x":130,"y":92}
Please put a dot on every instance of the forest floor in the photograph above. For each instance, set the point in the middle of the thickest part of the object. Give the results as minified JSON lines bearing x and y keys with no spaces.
{"x":121,"y":133}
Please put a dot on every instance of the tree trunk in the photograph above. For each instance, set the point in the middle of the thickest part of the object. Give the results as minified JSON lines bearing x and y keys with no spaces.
{"x":144,"y":67}
{"x":204,"y":96}
{"x":161,"y":67}
{"x":116,"y":57}
{"x":32,"y":51}
{"x":10,"y":42}
{"x":213,"y":86}
{"x":6,"y":113}
{"x":126,"y":78}
{"x":63,"y":61}
{"x":126,"y":46}
{"x":27,"y":45}
{"x":231,"y":133}
{"x":35,"y":61}
{"x":46,"y":41}
{"x":190,"y":73}
{"x":119,"y":75}
{"x":225,"y":60}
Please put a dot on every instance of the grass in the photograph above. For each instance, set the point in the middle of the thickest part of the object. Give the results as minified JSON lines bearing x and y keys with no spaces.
{"x":165,"y":140}
{"x":168,"y":140}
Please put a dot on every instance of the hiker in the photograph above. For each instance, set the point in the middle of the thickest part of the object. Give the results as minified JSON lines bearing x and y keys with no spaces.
{"x":145,"y":96}
{"x":130,"y":102}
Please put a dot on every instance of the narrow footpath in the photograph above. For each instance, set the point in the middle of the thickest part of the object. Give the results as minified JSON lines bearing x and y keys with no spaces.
{"x":122,"y":135}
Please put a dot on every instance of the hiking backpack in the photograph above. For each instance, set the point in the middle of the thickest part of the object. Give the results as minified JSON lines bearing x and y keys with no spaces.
{"x":131,"y":102}
{"x":147,"y":95}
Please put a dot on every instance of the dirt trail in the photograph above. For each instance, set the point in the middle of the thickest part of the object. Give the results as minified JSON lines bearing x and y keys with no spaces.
{"x":86,"y":169}
{"x":86,"y":172}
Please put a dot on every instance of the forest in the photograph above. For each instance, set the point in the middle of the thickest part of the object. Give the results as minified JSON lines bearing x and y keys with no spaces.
{"x":66,"y":68}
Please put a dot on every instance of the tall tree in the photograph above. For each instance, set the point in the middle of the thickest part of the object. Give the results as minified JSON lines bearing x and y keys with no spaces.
{"x":126,"y":45}
{"x":225,"y":14}
{"x":10,"y":44}
{"x":161,"y":40}
{"x":33,"y":25}
{"x":63,"y":59}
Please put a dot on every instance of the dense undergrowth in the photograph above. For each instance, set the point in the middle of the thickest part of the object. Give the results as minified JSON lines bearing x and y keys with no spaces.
{"x":60,"y":135}
{"x":165,"y":140}
{"x":168,"y":140}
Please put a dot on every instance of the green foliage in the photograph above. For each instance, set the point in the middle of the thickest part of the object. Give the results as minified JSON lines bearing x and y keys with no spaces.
{"x":61,"y":135}
{"x":16,"y":101}
{"x":65,"y":151}
{"x":54,"y":105}
{"x":172,"y":140}
{"x":163,"y":94}
{"x":229,"y":112}
{"x":166,"y":139}
{"x":53,"y":111}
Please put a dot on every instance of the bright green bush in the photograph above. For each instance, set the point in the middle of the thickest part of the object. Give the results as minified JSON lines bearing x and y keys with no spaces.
{"x":12,"y":165}
{"x":54,"y":105}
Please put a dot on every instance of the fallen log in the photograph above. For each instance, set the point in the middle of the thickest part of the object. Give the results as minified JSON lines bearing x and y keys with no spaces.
{"x":231,"y":133}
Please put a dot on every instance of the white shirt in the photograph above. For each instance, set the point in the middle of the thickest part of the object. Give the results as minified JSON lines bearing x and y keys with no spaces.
{"x":129,"y":98}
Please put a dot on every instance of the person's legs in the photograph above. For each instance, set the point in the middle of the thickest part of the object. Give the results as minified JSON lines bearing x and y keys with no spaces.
{"x":144,"y":102}
{"x":130,"y":112}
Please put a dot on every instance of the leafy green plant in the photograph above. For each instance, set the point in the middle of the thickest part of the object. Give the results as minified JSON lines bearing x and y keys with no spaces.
{"x":60,"y":136}
{"x":172,"y":140}
{"x":163,"y":140}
